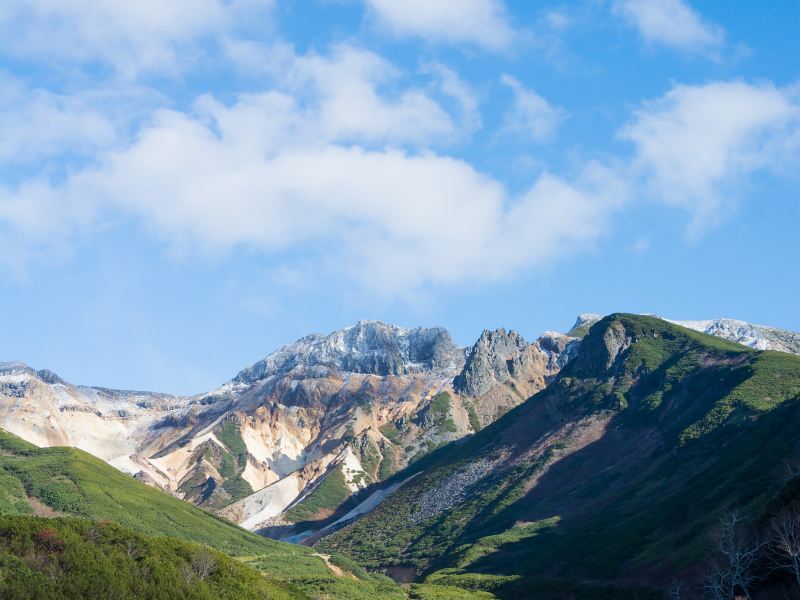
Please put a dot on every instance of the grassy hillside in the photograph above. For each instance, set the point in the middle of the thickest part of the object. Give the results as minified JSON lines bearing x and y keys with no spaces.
{"x":69,"y":558}
{"x":119,"y":549}
{"x":607,"y":483}
{"x":72,"y":482}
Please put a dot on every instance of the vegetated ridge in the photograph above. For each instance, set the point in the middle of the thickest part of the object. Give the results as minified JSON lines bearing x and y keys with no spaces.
{"x":609,"y":482}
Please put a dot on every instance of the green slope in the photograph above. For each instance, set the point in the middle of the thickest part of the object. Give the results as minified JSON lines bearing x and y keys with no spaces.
{"x":606,"y":483}
{"x":70,"y":482}
{"x":71,"y":559}
{"x":73,"y":482}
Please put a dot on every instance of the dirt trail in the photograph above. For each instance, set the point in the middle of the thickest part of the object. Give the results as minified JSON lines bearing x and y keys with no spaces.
{"x":40,"y":509}
{"x":338,"y":571}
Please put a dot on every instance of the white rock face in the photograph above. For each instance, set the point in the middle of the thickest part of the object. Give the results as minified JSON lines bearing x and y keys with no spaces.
{"x":47,"y":411}
{"x":367,"y":347}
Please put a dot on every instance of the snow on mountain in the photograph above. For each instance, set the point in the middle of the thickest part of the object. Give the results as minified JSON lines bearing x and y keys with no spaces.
{"x":367,"y":347}
{"x":759,"y":337}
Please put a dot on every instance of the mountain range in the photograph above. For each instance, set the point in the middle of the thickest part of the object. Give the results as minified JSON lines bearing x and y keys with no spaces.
{"x":426,"y":460}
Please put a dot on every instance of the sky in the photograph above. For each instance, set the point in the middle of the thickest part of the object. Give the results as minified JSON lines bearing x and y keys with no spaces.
{"x":187,"y":186}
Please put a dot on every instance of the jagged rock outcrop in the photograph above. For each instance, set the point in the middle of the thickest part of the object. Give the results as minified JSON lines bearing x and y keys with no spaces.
{"x":499,"y":357}
{"x":503,"y":370}
{"x":369,"y":347}
{"x":583,"y":323}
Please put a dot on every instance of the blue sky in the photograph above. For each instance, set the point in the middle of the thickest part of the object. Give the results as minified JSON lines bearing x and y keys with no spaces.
{"x":185,"y":187}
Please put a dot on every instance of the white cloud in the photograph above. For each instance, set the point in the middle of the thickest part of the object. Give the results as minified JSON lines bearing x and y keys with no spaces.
{"x":672,"y":23}
{"x":223,"y":177}
{"x":531,"y":114}
{"x":38,"y":124}
{"x":481,"y":22}
{"x":453,"y":86}
{"x":129,"y":36}
{"x":697,"y":143}
{"x":354,"y":94}
{"x":347,"y":85}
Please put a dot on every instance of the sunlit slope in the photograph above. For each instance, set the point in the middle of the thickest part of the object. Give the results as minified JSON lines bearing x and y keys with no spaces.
{"x":57,"y":482}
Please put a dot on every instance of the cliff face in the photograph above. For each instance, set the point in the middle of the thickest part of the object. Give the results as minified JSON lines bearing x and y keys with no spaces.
{"x":369,"y":347}
{"x":502,"y":369}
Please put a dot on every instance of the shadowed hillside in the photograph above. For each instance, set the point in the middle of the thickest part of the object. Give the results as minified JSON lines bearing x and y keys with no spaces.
{"x":609,"y":481}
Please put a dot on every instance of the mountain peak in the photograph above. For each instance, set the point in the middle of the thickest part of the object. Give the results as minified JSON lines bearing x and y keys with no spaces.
{"x":760,"y":337}
{"x":371,"y":347}
{"x":20,"y":368}
{"x":583,"y":323}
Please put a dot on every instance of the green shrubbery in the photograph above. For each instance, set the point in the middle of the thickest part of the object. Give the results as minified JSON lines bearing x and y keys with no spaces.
{"x":119,"y":556}
{"x":72,"y":559}
{"x":331,"y":493}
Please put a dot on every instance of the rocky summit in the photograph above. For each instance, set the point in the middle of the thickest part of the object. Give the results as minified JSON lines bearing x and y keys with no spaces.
{"x":368,"y":347}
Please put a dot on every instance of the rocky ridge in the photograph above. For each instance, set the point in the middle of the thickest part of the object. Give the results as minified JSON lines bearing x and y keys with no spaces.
{"x":358,"y":404}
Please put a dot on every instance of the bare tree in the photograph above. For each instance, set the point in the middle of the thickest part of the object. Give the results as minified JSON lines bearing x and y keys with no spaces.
{"x":785,"y":541}
{"x":203,"y":563}
{"x":677,"y":590}
{"x":733,"y":571}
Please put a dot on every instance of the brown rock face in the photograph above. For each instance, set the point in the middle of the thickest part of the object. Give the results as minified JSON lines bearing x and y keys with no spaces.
{"x":503,"y":370}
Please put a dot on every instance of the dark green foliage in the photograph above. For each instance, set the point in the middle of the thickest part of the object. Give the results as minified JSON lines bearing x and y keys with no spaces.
{"x":228,"y":433}
{"x":391,"y":432}
{"x":237,"y":487}
{"x":474,"y":421}
{"x":45,"y":475}
{"x":13,"y":499}
{"x":73,"y":559}
{"x":387,"y":464}
{"x":438,"y":411}
{"x":439,"y":407}
{"x":227,"y":465}
{"x":310,"y":575}
{"x":331,"y":493}
{"x":430,"y":591}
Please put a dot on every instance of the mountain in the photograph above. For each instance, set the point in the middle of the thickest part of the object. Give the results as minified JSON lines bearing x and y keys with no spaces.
{"x":345,"y":410}
{"x":760,"y":337}
{"x":44,"y":409}
{"x":608,"y":482}
{"x":298,"y":436}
